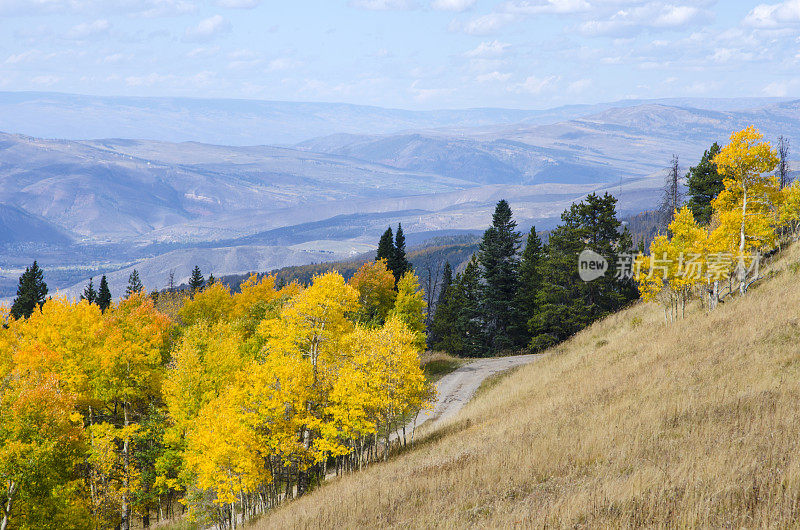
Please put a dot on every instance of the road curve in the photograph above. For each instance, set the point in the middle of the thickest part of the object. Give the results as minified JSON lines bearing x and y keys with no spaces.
{"x":455,"y":389}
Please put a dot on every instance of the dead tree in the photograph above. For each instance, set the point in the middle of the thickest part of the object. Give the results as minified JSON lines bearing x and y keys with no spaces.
{"x":783,"y":166}
{"x":671,"y":197}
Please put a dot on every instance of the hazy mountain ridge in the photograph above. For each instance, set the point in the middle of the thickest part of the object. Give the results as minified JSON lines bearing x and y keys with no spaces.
{"x":143,"y":202}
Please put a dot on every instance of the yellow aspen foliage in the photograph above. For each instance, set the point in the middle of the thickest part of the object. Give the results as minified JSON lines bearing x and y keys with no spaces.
{"x":222,"y":452}
{"x":204,"y":362}
{"x":41,"y":445}
{"x":375,"y":285}
{"x":132,"y":354}
{"x":746,"y":211}
{"x":409,"y":307}
{"x":63,"y":338}
{"x":789,"y":214}
{"x":676,"y":265}
{"x":379,"y":384}
{"x":110,"y":479}
{"x":212,"y":304}
{"x":314,"y":322}
{"x":274,"y":397}
{"x":252,"y":292}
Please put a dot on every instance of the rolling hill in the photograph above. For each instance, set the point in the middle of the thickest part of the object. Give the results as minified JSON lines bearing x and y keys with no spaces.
{"x":119,"y":203}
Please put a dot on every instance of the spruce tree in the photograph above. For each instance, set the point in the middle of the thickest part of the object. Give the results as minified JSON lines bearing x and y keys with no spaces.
{"x":467,"y":330}
{"x":89,"y":294}
{"x":442,"y":315}
{"x":134,"y":284}
{"x":31,"y":292}
{"x":499,"y":261}
{"x":565,"y":304}
{"x":196,"y":281}
{"x":386,"y":247}
{"x":211,"y":279}
{"x":103,"y":295}
{"x":704,"y":184}
{"x":530,"y":283}
{"x":399,"y":262}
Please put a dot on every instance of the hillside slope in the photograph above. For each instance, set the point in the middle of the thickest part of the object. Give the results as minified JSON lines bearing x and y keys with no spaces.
{"x":631,"y":422}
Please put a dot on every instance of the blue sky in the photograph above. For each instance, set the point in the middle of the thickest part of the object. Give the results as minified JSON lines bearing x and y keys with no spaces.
{"x":417,"y":54}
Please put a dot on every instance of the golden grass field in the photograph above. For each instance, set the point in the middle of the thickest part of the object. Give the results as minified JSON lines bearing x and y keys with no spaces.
{"x":633,"y":422}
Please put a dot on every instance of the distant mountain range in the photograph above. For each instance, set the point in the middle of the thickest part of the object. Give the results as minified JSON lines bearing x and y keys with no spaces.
{"x":256,"y":122}
{"x":86,"y":207}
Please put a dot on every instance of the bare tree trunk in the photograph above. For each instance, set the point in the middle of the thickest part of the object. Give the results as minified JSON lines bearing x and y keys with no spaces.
{"x":126,"y":508}
{"x":742,"y":269}
{"x":12,"y":490}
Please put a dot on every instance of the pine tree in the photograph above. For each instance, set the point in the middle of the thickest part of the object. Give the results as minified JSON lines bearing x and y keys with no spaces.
{"x":211,"y":279}
{"x":499,"y":261}
{"x":442,"y":315}
{"x":386,"y":246}
{"x":103,"y":295}
{"x":196,"y":281}
{"x":530,"y":283}
{"x":31,"y":292}
{"x":399,"y":262}
{"x":467,"y":330}
{"x":134,"y":284}
{"x":89,"y":294}
{"x":565,"y":303}
{"x":704,"y":183}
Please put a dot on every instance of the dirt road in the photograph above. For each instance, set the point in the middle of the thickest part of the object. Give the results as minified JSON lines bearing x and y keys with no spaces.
{"x":456,"y":388}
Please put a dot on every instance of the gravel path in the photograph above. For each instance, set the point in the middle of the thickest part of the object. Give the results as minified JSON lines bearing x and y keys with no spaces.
{"x":455,"y":389}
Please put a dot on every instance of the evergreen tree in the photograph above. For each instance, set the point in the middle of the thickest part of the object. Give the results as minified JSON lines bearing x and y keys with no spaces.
{"x":211,"y":279}
{"x":499,"y":261}
{"x":530,"y":283}
{"x":398,"y":263}
{"x":104,"y":294}
{"x":704,"y":183}
{"x":467,"y":330}
{"x":386,"y":246}
{"x":134,"y":284}
{"x":89,"y":294}
{"x":565,"y":303}
{"x":196,"y":280}
{"x":31,"y":292}
{"x":443,"y":314}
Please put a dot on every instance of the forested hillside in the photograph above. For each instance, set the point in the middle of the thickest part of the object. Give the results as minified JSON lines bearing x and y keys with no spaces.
{"x":218,"y":406}
{"x":632,"y":422}
{"x":680,"y":418}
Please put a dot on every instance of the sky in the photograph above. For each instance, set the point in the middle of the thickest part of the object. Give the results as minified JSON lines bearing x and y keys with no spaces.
{"x":414,"y":54}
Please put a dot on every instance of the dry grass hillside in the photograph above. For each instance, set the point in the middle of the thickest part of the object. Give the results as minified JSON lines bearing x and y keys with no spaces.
{"x":632,"y":422}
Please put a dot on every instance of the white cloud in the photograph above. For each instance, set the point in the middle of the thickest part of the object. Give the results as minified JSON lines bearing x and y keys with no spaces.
{"x":89,"y":29}
{"x":538,"y":7}
{"x":493,"y":77}
{"x":453,"y":5}
{"x":207,"y":29}
{"x":653,"y":15}
{"x":579,"y":86}
{"x":145,"y":8}
{"x":536,"y":85}
{"x":45,"y":80}
{"x":677,"y":16}
{"x":485,"y":24}
{"x":774,"y":15}
{"x":282,"y":63}
{"x":493,"y":48}
{"x":782,"y":88}
{"x":425,"y":94}
{"x":237,"y":4}
{"x":384,"y":5}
